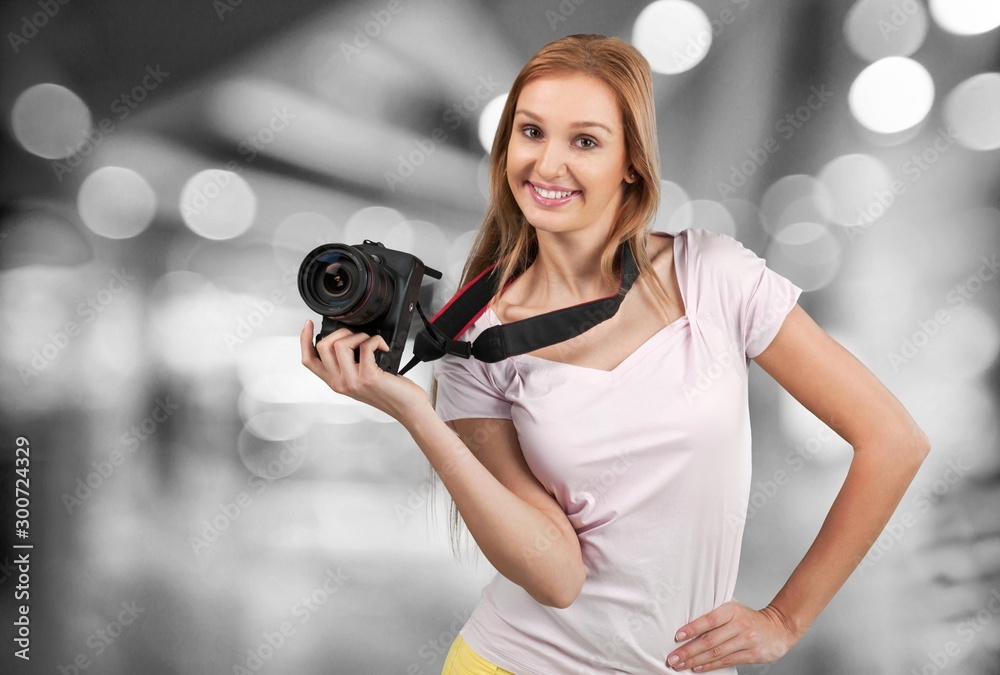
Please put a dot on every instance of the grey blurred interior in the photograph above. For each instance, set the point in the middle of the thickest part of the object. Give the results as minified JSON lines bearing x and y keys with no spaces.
{"x":195,"y":491}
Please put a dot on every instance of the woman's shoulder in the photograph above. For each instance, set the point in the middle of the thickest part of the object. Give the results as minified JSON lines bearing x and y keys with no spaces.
{"x":705,"y":245}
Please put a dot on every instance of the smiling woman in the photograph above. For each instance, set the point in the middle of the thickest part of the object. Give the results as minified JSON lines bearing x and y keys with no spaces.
{"x":605,"y":481}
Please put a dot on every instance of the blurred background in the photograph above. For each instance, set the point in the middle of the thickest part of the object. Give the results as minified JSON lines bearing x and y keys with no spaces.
{"x":200,"y":503}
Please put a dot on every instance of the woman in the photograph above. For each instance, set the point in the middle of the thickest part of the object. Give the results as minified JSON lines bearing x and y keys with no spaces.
{"x":606,"y":478}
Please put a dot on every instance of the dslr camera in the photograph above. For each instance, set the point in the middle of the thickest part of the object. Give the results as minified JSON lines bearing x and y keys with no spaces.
{"x":367,"y":288}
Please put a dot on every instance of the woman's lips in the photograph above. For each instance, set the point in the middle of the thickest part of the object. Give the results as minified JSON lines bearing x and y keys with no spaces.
{"x":553,"y":198}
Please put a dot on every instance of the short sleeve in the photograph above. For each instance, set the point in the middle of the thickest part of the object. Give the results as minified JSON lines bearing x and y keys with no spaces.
{"x":758,"y":297}
{"x":466,"y":388}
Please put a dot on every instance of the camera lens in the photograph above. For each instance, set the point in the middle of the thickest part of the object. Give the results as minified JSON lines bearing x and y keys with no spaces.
{"x":345,"y":283}
{"x":336,"y":280}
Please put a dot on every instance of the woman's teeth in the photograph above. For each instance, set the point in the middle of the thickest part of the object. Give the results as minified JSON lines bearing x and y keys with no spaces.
{"x":551,"y":194}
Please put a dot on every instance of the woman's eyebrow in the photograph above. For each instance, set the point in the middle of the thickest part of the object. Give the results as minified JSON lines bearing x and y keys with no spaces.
{"x":574,"y":125}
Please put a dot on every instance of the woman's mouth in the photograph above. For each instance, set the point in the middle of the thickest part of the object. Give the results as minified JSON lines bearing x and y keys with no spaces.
{"x":550,"y":197}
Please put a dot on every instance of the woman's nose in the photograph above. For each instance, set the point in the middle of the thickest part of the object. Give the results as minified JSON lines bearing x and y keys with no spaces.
{"x":551,"y":160}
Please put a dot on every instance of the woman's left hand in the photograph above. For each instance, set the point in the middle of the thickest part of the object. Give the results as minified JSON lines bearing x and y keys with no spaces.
{"x":733,"y":634}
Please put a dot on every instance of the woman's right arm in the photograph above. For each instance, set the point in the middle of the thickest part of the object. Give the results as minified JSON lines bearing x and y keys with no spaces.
{"x":519,"y":526}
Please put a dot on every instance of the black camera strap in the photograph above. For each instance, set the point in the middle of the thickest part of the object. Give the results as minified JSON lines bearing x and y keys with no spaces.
{"x":519,"y":337}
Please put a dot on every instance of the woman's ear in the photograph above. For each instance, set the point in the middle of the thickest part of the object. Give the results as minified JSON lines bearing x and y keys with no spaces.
{"x":630,"y":175}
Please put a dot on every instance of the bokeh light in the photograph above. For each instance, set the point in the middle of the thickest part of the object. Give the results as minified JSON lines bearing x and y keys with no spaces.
{"x":275,"y":425}
{"x":422,"y":239}
{"x":50,"y":121}
{"x":673,"y":35}
{"x":809,"y":243}
{"x":270,"y":459}
{"x":964,"y":347}
{"x":876,"y":29}
{"x":811,"y":259}
{"x":860,"y":187}
{"x":378,"y":223}
{"x":966,"y":17}
{"x":116,"y":202}
{"x":702,"y":213}
{"x":795,"y":199}
{"x":351,"y":123}
{"x":973,"y":109}
{"x":300,"y":233}
{"x":891,"y":95}
{"x":218,"y":204}
{"x":669,"y":214}
{"x":489,"y":120}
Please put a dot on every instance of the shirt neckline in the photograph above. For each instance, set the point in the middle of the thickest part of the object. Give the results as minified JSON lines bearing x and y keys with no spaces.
{"x":642,"y":350}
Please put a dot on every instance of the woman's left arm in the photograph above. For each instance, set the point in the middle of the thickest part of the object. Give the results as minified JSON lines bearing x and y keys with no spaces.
{"x":888,"y":450}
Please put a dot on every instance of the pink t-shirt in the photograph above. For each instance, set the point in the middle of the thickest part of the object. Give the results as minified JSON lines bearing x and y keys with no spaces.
{"x":650,"y":461}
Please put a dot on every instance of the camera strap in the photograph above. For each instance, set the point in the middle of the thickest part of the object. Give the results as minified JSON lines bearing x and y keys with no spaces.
{"x":496,"y":343}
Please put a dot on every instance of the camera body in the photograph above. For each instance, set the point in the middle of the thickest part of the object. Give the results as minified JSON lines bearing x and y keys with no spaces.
{"x":366,"y":288}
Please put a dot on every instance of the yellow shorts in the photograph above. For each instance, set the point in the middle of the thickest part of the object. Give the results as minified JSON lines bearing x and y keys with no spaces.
{"x":461,"y":660}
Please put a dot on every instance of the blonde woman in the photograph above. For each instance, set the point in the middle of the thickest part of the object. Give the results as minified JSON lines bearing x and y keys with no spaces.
{"x":606,"y":477}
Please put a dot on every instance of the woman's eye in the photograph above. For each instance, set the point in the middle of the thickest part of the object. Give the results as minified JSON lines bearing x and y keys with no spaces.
{"x":587,"y":143}
{"x":528,"y":131}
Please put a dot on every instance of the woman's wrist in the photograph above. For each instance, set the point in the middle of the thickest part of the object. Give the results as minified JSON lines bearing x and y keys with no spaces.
{"x":415,"y":415}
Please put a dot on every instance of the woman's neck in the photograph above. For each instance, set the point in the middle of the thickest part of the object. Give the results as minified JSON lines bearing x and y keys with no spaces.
{"x":567,"y":270}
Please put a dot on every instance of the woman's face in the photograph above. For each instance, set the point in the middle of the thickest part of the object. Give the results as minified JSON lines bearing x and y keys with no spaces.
{"x":566,"y":156}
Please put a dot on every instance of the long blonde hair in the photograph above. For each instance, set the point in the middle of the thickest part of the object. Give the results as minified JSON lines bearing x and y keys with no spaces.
{"x":506,"y":238}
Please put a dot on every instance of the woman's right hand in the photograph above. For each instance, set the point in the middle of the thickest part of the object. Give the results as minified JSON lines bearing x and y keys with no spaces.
{"x":332,"y":360}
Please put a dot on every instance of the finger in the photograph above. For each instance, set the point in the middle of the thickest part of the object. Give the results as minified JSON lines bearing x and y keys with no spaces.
{"x":328,"y":351}
{"x":343,"y":353}
{"x":367,"y":354}
{"x":718,"y":651}
{"x":336,"y":335}
{"x":708,"y":631}
{"x":707,"y":647}
{"x":733,"y":659}
{"x":310,"y":358}
{"x":706,"y":622}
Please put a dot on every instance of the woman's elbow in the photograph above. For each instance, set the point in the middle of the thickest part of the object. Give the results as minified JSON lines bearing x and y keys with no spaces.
{"x":566,"y":590}
{"x":919,"y":444}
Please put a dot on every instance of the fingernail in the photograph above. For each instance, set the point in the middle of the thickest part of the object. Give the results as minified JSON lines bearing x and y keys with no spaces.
{"x":680,"y":636}
{"x":697,"y":669}
{"x":679,"y":665}
{"x":673,"y":659}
